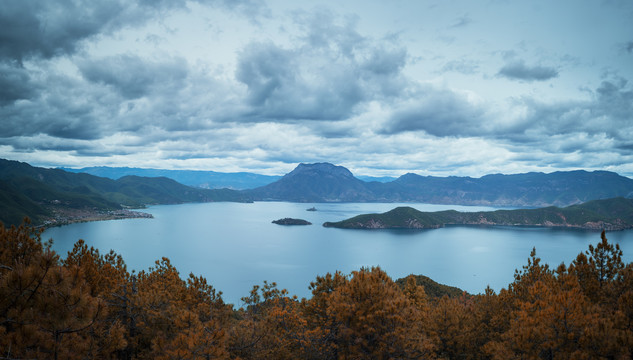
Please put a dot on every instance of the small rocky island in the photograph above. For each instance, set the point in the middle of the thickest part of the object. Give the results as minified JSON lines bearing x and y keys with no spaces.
{"x":291,"y":221}
{"x":609,"y":214}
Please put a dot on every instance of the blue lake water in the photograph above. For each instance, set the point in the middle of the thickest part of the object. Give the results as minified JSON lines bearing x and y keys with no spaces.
{"x":235,"y":245}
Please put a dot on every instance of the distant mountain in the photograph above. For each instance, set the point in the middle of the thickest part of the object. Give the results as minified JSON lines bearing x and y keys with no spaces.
{"x":610,"y":214}
{"x":382,"y":179}
{"x":522,"y":190}
{"x":42,"y":193}
{"x":325,"y":182}
{"x":320,"y":182}
{"x":32,"y":191}
{"x":202,"y":179}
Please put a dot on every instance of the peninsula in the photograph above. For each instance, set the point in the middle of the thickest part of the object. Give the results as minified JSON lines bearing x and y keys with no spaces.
{"x":610,"y":214}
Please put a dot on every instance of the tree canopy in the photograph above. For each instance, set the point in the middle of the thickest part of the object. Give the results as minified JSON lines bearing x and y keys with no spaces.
{"x":89,"y":306}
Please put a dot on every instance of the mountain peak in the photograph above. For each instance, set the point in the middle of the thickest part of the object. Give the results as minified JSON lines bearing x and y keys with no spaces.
{"x":323,"y":168}
{"x":319,"y":182}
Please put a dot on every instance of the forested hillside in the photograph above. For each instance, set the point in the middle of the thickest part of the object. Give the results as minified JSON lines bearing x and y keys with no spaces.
{"x":87,"y":305}
{"x":609,"y":214}
{"x":56,"y":196}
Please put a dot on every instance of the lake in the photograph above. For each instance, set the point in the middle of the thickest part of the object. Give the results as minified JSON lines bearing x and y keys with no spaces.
{"x":235,"y":245}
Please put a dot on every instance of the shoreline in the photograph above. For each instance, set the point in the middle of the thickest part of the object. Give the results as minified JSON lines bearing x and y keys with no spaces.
{"x":609,"y":214}
{"x":66,"y":216}
{"x":375,"y":226}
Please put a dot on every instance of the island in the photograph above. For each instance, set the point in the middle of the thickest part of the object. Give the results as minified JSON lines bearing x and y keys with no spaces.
{"x":291,"y":221}
{"x":610,"y":214}
{"x":311,"y":209}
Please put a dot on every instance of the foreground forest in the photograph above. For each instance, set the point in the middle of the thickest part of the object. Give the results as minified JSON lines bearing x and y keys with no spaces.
{"x":89,"y":306}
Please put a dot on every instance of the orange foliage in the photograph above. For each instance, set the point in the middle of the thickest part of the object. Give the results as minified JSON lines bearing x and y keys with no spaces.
{"x":88,"y":306}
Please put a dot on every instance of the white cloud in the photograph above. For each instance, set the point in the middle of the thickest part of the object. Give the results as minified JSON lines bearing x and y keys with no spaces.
{"x":250,"y":85}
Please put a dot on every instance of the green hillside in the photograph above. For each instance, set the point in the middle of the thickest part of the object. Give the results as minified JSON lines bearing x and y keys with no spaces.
{"x":433,"y":289}
{"x":43,"y":194}
{"x":14,"y":206}
{"x":401,"y":217}
{"x":610,"y":214}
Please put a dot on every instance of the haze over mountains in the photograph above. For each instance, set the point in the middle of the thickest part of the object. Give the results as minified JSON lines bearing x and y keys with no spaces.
{"x":202,"y":179}
{"x":199,"y":178}
{"x":36,"y":192}
{"x":324,"y":182}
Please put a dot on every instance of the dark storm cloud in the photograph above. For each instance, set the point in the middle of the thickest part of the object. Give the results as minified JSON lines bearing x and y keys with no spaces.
{"x":608,"y":112}
{"x":438,"y":112}
{"x":66,"y":107}
{"x":444,"y":113}
{"x":134,"y":77}
{"x":47,"y":28}
{"x":50,"y":28}
{"x":63,"y":116}
{"x":626,"y":147}
{"x":15,"y":84}
{"x":62,"y":106}
{"x":264,"y":68}
{"x":615,"y":99}
{"x":517,"y":70}
{"x":382,"y":62}
{"x":325,"y":76}
{"x":43,"y":28}
{"x":279,"y":89}
{"x":29,"y":144}
{"x":120,"y":94}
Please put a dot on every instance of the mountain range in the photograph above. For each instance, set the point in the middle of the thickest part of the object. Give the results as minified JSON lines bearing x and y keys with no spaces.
{"x":40,"y":193}
{"x":199,"y":178}
{"x":195,"y":178}
{"x":324,"y":182}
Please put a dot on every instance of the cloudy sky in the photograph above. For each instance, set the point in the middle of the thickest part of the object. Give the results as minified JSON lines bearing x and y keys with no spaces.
{"x":382,"y":87}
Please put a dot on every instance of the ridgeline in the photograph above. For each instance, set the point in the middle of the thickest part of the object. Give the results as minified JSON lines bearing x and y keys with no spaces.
{"x":52,"y":197}
{"x":324,"y":182}
{"x":610,"y":214}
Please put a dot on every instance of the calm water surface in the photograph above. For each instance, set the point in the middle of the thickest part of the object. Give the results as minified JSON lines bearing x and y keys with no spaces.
{"x":235,"y":246}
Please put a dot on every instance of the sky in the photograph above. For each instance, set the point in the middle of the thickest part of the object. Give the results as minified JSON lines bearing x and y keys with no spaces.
{"x":451,"y":87}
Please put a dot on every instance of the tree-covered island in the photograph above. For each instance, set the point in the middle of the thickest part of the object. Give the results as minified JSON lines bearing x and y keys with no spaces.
{"x":291,"y":221}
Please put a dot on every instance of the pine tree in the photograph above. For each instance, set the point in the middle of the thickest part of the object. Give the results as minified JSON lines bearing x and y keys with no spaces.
{"x":45,"y":309}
